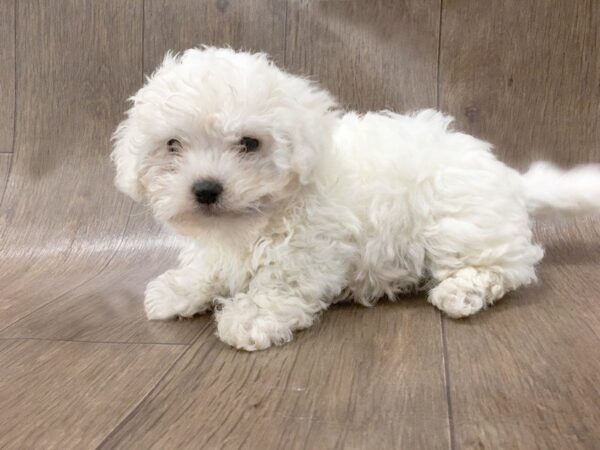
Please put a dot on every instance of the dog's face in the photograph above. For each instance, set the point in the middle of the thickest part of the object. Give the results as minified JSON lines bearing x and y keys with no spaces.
{"x":217,"y":136}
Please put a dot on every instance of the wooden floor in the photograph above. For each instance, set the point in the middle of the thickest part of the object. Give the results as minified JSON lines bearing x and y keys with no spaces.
{"x":80,"y":367}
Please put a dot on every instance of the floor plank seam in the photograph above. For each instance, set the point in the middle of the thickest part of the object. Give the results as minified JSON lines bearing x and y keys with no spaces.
{"x":447,"y":381}
{"x":151,"y":391}
{"x":17,"y":338}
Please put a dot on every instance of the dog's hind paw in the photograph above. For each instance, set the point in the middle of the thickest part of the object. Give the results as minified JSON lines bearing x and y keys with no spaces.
{"x":467,"y":292}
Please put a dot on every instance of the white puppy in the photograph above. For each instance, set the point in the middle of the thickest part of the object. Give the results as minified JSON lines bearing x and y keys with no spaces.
{"x":290,"y":205}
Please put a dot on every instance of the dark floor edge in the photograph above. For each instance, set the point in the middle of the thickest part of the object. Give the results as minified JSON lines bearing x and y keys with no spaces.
{"x":447,"y":381}
{"x":14,"y":134}
{"x":4,"y":183}
{"x":285,"y":34}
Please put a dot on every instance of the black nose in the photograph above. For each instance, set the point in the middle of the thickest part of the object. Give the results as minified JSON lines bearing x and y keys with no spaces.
{"x":207,"y":192}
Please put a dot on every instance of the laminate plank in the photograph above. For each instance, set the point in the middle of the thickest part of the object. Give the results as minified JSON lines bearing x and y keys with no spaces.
{"x":255,"y":25}
{"x":525,"y":76}
{"x":362,"y":378}
{"x":383,"y":56}
{"x":62,"y":217}
{"x":525,"y":373}
{"x":71,"y":395}
{"x":7,"y":74}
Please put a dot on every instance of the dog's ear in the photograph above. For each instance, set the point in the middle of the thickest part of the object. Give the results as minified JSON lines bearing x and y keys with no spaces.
{"x":127,"y":158}
{"x":315,"y":113}
{"x":128,"y":149}
{"x":307,"y":143}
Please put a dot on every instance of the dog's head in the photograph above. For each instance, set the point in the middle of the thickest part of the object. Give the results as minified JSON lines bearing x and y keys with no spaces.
{"x":218,"y":135}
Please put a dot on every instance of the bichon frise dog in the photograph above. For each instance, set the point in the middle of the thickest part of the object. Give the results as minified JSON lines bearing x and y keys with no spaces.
{"x":290,"y":204}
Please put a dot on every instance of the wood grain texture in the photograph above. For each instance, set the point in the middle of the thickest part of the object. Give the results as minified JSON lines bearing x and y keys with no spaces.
{"x":255,"y":25}
{"x":77,"y":402}
{"x":75,"y":254}
{"x":61,"y":219}
{"x":362,"y":378}
{"x":525,"y":76}
{"x":7,"y":74}
{"x":383,"y":56}
{"x":525,"y":373}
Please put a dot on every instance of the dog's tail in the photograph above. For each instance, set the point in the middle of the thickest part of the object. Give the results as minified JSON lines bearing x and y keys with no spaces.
{"x":572,"y":192}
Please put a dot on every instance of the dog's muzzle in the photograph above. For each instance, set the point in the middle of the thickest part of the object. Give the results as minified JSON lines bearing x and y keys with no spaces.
{"x":207,"y":192}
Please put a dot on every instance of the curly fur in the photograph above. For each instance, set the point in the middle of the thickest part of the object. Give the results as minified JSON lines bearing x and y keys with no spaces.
{"x":332,"y":206}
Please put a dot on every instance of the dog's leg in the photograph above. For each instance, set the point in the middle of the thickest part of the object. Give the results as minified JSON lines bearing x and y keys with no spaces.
{"x":284,"y":296}
{"x":467,"y":291}
{"x":179,"y":292}
{"x":257,"y":320}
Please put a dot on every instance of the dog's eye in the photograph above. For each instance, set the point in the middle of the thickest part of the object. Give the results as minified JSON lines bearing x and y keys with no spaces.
{"x":249,"y":144}
{"x":174,"y":145}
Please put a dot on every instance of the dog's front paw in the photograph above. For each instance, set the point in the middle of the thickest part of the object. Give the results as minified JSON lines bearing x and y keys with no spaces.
{"x":242,"y":324}
{"x":456,"y":303}
{"x":163,"y":303}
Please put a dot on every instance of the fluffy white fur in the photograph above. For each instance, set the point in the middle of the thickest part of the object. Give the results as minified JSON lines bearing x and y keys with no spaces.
{"x":331,"y":206}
